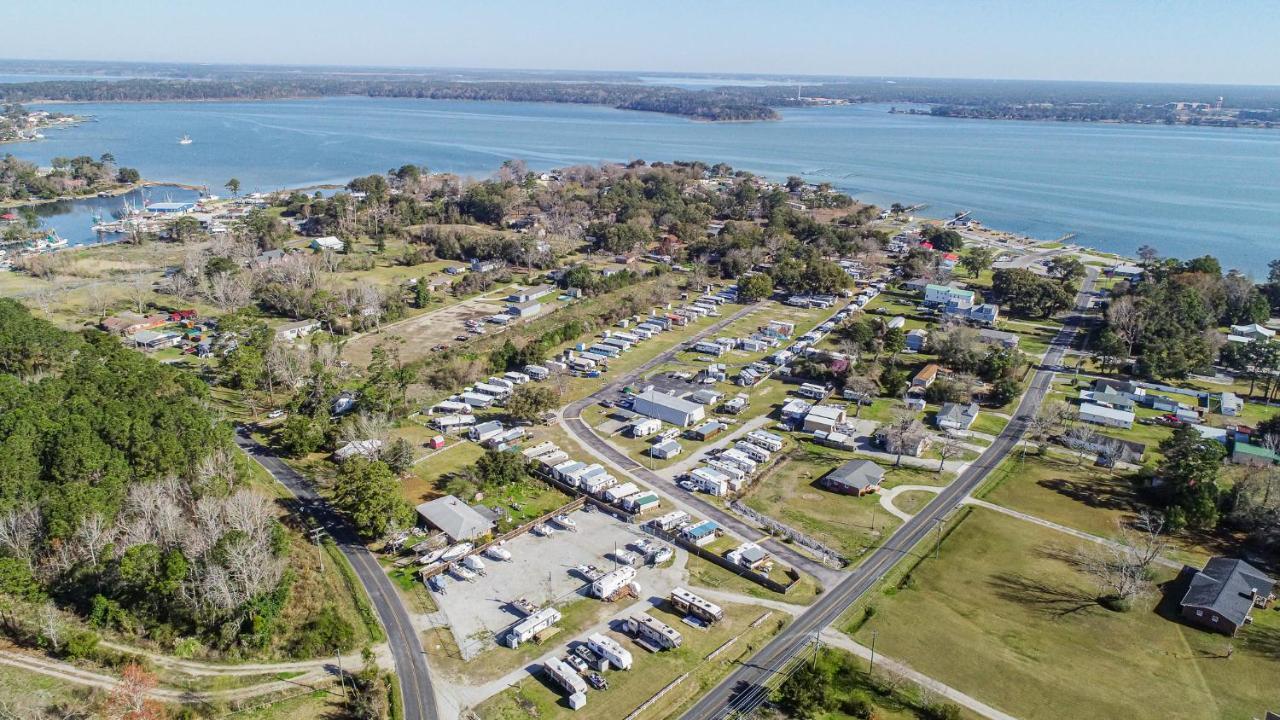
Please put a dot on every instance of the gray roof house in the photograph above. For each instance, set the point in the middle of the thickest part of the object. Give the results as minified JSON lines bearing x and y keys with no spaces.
{"x":956,"y":416}
{"x":1222,"y":596}
{"x":856,"y":477}
{"x":455,"y":518}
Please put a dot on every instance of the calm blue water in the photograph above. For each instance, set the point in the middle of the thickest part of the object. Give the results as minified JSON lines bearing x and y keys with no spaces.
{"x":74,"y":219}
{"x":1186,"y":191}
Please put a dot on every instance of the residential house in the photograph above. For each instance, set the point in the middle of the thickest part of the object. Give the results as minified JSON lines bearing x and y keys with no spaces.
{"x":984,"y":314}
{"x":1254,"y":332}
{"x":665,"y":450}
{"x":917,"y":339}
{"x":946,"y":295}
{"x":708,"y":430}
{"x":749,"y":555}
{"x":328,"y":243}
{"x":361,"y":448}
{"x":927,"y":375}
{"x":998,"y":337}
{"x":294,"y":330}
{"x":956,"y":416}
{"x":1222,"y":596}
{"x":824,"y":417}
{"x":1103,"y":415}
{"x":457,"y":520}
{"x":1124,"y":387}
{"x":856,"y":477}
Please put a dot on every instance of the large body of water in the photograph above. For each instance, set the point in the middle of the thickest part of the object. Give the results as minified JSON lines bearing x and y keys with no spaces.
{"x":1187,"y":191}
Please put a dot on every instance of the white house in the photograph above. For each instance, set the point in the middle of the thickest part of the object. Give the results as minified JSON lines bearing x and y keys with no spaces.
{"x":956,"y":416}
{"x":294,"y":330}
{"x":1103,"y":415}
{"x":327,"y":242}
{"x":1254,"y":332}
{"x":947,"y":295}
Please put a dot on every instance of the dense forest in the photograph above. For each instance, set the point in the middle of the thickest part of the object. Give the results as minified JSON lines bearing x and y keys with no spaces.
{"x":712,"y":105}
{"x":123,"y":497}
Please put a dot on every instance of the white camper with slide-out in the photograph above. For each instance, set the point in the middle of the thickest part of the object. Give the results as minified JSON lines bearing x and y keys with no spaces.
{"x":609,"y":649}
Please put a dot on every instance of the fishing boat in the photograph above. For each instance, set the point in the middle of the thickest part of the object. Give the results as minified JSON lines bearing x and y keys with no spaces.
{"x":564,"y":521}
{"x":494,"y":552}
{"x":473,"y":562}
{"x":543,"y":530}
{"x":186,"y":140}
{"x":462,"y":573}
{"x":456,"y":552}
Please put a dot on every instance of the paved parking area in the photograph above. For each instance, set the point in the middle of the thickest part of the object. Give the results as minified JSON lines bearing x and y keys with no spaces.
{"x":538,"y":570}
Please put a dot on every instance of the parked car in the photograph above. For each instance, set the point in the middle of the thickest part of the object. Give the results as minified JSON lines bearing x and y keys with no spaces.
{"x":275,"y":414}
{"x":578,"y":663}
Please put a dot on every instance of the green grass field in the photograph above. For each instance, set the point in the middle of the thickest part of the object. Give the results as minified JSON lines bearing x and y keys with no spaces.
{"x":791,"y":492}
{"x":1000,"y":617}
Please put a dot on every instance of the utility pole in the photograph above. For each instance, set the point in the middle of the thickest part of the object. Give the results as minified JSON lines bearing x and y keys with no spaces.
{"x":871,"y":670}
{"x":316,"y":534}
{"x":342,"y":678}
{"x":937,"y":546}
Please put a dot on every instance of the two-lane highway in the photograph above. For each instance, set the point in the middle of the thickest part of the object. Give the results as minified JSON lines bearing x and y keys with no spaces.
{"x":743,"y":690}
{"x":406,"y":647}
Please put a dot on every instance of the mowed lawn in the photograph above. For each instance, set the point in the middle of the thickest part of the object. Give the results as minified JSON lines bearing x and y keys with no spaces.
{"x":1001,"y":617}
{"x":792,"y":492}
{"x":1084,"y":497}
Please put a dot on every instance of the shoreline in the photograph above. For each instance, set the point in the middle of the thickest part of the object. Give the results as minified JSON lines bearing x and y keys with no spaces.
{"x":112,"y":192}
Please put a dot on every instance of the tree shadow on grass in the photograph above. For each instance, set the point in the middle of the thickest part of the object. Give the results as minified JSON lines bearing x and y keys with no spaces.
{"x":1106,"y":496}
{"x":1056,"y":601}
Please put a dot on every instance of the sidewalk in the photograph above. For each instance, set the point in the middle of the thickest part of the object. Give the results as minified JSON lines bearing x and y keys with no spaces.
{"x":844,"y":642}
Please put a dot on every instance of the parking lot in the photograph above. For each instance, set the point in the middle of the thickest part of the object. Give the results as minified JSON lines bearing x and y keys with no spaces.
{"x":539,"y":570}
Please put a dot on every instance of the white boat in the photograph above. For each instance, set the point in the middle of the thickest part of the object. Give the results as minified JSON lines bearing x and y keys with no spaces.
{"x":456,"y":551}
{"x":473,"y":562}
{"x":437,"y":583}
{"x":462,"y":573}
{"x":543,"y":530}
{"x":662,"y":555}
{"x":431,"y":557}
{"x":186,"y":140}
{"x":565,"y":522}
{"x":495,"y":552}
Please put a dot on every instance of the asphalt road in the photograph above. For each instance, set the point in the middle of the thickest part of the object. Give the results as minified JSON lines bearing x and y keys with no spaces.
{"x":573,"y":415}
{"x":406,"y":647}
{"x":744,"y":689}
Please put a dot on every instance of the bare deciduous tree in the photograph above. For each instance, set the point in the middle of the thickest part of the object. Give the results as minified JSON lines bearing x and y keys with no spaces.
{"x":20,"y":531}
{"x":949,"y":447}
{"x":229,"y":291}
{"x":1122,"y":569}
{"x":1126,"y":316}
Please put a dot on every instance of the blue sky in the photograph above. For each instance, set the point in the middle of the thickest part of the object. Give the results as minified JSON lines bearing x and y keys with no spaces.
{"x":1224,"y":41}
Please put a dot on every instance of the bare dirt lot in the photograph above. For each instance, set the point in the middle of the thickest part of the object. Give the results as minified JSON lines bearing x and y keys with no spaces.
{"x":422,"y":332}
